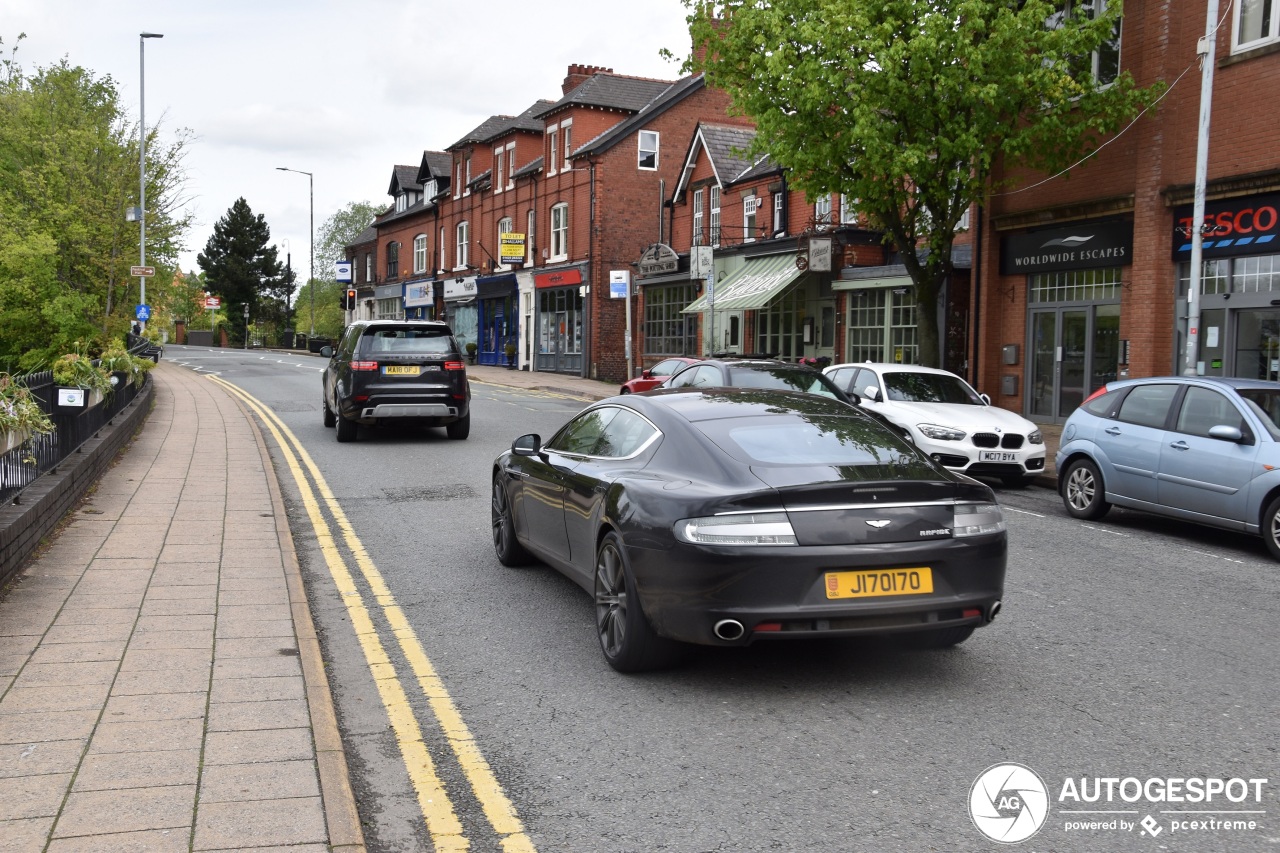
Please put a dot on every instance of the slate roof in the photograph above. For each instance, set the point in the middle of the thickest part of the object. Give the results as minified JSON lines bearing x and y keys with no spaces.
{"x":727,"y":148}
{"x":403,"y":178}
{"x":495,"y":126}
{"x":368,"y":235}
{"x":435,"y":164}
{"x":528,"y":169}
{"x":672,"y":94}
{"x":611,"y":91}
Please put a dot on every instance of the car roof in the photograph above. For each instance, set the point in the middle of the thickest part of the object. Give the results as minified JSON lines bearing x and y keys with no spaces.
{"x":1234,"y":382}
{"x":703,"y":404}
{"x":893,"y":367}
{"x":751,"y":362}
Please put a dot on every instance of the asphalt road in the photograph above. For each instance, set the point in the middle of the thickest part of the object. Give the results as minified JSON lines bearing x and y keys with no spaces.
{"x":1129,"y":647}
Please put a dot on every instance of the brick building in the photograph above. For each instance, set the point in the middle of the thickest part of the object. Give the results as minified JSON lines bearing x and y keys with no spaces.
{"x":1084,"y":277}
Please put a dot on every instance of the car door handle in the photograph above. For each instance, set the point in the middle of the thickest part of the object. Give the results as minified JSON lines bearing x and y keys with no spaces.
{"x":1180,"y":445}
{"x":1112,"y":430}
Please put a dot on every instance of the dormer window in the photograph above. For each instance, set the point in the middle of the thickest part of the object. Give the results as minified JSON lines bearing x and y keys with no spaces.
{"x":402,"y":202}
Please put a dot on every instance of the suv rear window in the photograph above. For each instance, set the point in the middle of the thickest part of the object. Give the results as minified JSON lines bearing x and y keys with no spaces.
{"x":423,"y":341}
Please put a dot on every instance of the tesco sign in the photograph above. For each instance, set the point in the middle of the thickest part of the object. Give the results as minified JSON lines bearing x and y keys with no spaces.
{"x":1238,"y":226}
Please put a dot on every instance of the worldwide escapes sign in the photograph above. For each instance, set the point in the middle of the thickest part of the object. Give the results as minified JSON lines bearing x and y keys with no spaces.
{"x":1084,"y":246}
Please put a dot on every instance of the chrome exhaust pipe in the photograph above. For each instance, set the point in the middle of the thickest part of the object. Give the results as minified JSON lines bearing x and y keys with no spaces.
{"x":991,"y":614}
{"x":729,"y":630}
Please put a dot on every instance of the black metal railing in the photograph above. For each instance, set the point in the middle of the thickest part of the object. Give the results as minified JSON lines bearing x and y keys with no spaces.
{"x":41,"y":454}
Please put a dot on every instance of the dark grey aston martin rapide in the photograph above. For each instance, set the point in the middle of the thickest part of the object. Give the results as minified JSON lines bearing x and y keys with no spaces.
{"x":723,"y":516}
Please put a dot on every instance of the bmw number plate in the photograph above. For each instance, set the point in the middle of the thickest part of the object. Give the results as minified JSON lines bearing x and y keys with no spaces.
{"x":400,"y":370}
{"x":879,"y":582}
{"x":997,"y":456}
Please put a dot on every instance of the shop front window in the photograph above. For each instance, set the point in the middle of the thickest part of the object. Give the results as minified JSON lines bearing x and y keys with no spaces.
{"x":667,"y":329}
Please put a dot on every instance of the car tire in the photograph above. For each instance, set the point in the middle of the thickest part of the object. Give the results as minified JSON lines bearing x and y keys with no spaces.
{"x":937,"y":638}
{"x":459,"y":429}
{"x":1083,"y":493}
{"x":346,"y":429}
{"x":625,"y":390}
{"x":329,"y":417}
{"x":627,"y":640}
{"x":509,"y":550}
{"x":1271,"y":527}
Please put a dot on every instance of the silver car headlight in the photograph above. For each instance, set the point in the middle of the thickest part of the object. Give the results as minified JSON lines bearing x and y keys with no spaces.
{"x":941,"y":433}
{"x":759,"y":528}
{"x":977,"y":520}
{"x":1035,"y":438}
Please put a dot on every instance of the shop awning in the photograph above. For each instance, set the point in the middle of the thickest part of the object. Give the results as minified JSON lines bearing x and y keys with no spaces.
{"x":753,"y":286}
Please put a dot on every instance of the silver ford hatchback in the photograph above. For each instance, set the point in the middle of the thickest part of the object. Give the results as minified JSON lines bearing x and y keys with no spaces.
{"x":1202,"y":449}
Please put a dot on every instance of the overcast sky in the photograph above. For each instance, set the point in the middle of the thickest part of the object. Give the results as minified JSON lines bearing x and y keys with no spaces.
{"x":342,"y":90}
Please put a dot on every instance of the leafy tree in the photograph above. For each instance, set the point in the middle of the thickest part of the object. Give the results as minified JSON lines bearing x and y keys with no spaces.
{"x":329,"y":315}
{"x":339,"y":231}
{"x":909,"y":106}
{"x":241,"y":265}
{"x":68,"y":170}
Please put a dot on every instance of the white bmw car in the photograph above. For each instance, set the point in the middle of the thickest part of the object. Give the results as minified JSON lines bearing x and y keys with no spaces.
{"x":946,"y":418}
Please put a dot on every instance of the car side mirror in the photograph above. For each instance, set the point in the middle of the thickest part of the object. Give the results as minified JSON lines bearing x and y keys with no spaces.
{"x":646,"y":374}
{"x":1222,"y":432}
{"x":326,"y":351}
{"x":985,"y":399}
{"x":527,"y":445}
{"x":872,"y":393}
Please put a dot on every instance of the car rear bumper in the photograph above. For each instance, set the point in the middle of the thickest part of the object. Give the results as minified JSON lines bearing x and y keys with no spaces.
{"x":777,"y":593}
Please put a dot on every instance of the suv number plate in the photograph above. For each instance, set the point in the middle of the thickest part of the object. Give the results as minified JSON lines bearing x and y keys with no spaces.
{"x":401,"y":370}
{"x":879,"y":582}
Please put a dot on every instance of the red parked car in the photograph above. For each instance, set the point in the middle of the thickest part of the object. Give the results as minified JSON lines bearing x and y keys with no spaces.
{"x":656,"y":375}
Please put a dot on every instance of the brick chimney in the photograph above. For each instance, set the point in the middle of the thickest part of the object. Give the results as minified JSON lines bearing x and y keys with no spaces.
{"x":579,"y":74}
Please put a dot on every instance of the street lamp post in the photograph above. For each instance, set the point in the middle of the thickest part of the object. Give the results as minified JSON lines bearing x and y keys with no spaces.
{"x":311,"y":264}
{"x":142,"y":162}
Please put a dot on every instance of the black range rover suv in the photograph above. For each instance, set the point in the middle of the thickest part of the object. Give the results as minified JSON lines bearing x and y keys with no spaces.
{"x":405,"y":371}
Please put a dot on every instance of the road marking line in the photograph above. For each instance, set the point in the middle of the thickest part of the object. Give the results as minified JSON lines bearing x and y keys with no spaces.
{"x":498,"y":809}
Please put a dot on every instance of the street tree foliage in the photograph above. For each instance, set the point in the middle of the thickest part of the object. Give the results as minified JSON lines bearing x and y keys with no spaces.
{"x":329,"y":316}
{"x":241,"y":266}
{"x":339,"y":231}
{"x":908,"y":105}
{"x":68,"y":170}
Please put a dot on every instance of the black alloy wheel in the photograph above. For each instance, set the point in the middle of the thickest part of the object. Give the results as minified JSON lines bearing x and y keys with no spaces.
{"x":459,"y":429}
{"x":1083,"y":494}
{"x":509,"y":550}
{"x":628,"y":641}
{"x":1271,"y":527}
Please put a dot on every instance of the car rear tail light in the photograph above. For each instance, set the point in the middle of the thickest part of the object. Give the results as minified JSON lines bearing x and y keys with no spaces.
{"x":753,"y":528}
{"x":364,"y":365}
{"x":977,"y":520}
{"x":361,"y":398}
{"x":1095,"y":394}
{"x":454,"y":365}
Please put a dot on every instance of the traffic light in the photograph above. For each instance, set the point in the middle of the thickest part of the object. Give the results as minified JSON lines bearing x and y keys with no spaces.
{"x":349,"y":299}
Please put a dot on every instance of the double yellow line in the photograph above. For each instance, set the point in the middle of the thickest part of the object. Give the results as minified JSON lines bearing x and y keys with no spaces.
{"x":447,"y":833}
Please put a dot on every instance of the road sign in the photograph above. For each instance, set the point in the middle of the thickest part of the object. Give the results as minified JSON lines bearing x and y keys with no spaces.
{"x":212,"y":303}
{"x":342,"y":271}
{"x":142,"y":271}
{"x":144,"y":313}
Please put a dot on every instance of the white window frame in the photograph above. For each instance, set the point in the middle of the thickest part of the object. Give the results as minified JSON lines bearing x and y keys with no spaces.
{"x":402,"y":202}
{"x":749,"y":218}
{"x":466,"y":186}
{"x":511,"y":165}
{"x":560,"y":232}
{"x":566,"y":132}
{"x":713,"y":218}
{"x":553,"y":138}
{"x":822,"y":209}
{"x":420,"y":253}
{"x":848,"y":210}
{"x":1265,"y":8}
{"x":779,"y":225}
{"x":457,"y":179}
{"x":463,"y":245}
{"x":444,"y":265}
{"x":368,"y":268}
{"x":498,"y":163}
{"x":505,"y":225}
{"x":652,"y":148}
{"x":530,"y":221}
{"x":430,"y":188}
{"x":1065,"y":7}
{"x":698,"y":233}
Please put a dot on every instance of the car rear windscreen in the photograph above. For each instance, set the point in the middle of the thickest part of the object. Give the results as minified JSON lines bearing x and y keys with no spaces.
{"x":407,"y":342}
{"x":855,"y":441}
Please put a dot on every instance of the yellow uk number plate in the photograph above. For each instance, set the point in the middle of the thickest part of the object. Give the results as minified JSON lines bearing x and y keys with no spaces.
{"x":401,"y":370}
{"x":879,"y":582}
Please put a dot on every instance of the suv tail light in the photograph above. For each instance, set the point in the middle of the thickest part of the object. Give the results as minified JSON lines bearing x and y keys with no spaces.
{"x":364,"y":365}
{"x":454,"y":365}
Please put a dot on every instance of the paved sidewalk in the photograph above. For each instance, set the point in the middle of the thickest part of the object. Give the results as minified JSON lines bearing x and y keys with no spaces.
{"x":161,"y":686}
